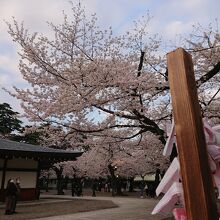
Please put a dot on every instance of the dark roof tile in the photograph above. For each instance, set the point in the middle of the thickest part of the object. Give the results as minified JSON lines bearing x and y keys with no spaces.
{"x":13,"y":148}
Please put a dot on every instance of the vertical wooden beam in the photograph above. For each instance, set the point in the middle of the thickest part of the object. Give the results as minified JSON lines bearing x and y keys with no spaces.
{"x":196,"y":176}
{"x":37,"y":189}
{"x":3,"y":179}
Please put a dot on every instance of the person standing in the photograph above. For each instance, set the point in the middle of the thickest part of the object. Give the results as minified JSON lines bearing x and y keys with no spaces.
{"x":94,"y":186}
{"x":16,"y":196}
{"x":146,"y":190}
{"x":11,"y":190}
{"x":73,"y":187}
{"x":141,"y":186}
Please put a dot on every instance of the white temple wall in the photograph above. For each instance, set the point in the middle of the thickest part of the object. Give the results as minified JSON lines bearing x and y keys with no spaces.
{"x":26,"y":169}
{"x":27,"y":179}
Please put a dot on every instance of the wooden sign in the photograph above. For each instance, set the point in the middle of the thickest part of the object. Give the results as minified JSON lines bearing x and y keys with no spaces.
{"x":198,"y":188}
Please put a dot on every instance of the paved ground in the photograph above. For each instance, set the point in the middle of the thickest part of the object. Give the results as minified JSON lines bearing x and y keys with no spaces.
{"x":129,"y":209}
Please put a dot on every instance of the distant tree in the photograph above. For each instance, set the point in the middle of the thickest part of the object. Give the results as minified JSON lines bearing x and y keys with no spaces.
{"x":58,"y":168}
{"x":33,"y":137}
{"x":9,"y":121}
{"x":84,"y":70}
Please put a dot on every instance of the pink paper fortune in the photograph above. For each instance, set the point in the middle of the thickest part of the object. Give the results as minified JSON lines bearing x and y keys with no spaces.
{"x":169,"y":143}
{"x":170,"y":185}
{"x":179,"y":214}
{"x":172,"y":175}
{"x":167,"y":203}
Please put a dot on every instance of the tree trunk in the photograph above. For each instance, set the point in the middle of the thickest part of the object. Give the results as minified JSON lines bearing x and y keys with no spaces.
{"x":113,"y":179}
{"x":59,"y":181}
{"x":131,"y":186}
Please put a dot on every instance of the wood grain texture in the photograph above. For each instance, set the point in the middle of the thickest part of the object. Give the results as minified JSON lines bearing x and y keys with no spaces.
{"x":199,"y":196}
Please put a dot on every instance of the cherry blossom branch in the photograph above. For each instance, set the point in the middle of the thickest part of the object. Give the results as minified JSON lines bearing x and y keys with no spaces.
{"x":116,"y":113}
{"x":203,"y":79}
{"x":213,"y":97}
{"x":208,"y":75}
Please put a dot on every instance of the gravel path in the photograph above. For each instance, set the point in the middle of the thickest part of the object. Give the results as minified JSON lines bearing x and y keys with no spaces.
{"x":129,"y":209}
{"x":44,"y":208}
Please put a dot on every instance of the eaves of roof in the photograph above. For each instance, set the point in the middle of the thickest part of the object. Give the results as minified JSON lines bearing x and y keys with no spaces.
{"x":13,"y":149}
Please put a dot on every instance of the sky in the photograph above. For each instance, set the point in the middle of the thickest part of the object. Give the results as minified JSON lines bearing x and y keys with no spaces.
{"x":170,"y":18}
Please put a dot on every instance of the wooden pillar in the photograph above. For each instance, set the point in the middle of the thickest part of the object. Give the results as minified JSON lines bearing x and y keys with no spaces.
{"x":199,"y":196}
{"x":37,"y":192}
{"x":3,"y":179}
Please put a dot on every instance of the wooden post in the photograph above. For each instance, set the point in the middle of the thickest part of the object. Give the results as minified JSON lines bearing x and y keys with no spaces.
{"x":37,"y":192}
{"x":3,"y":180}
{"x":198,"y":189}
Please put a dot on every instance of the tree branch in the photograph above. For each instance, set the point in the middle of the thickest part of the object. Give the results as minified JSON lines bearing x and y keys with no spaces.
{"x":208,"y":75}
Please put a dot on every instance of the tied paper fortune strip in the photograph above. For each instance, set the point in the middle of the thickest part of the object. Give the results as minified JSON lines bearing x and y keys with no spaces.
{"x":170,"y":185}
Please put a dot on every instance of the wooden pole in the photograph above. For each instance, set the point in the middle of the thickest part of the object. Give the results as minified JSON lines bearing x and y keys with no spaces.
{"x":2,"y":197}
{"x":37,"y":192}
{"x":198,"y":189}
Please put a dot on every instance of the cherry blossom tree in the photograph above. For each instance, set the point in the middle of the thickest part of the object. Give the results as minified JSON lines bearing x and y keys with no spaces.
{"x":117,"y":161}
{"x":85,"y":69}
{"x":204,"y":45}
{"x":44,"y":177}
{"x":90,"y":82}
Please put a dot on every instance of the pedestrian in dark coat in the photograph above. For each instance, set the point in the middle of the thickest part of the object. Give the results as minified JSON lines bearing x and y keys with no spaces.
{"x":94,"y":186}
{"x":16,"y":196}
{"x":11,"y":191}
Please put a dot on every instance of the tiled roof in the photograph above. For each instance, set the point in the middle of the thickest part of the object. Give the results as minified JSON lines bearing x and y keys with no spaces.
{"x":10,"y":148}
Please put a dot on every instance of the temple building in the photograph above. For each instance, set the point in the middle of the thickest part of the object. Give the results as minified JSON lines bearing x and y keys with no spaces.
{"x":26,"y":161}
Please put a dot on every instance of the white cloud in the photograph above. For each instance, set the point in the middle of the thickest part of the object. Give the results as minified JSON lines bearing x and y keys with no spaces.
{"x":171,"y":17}
{"x":5,"y":97}
{"x":9,"y":71}
{"x":193,"y":4}
{"x":3,"y":79}
{"x":176,"y":28}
